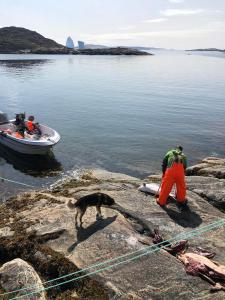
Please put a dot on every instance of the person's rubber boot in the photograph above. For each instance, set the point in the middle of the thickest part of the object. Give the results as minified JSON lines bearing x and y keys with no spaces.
{"x":157,"y":201}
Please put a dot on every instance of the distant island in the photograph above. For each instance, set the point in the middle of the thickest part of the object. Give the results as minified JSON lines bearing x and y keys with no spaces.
{"x":208,"y":49}
{"x":17,"y":40}
{"x":93,"y":46}
{"x":100,"y":51}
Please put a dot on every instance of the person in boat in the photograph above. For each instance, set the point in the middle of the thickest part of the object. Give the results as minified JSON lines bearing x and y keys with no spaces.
{"x":20,"y":122}
{"x":31,"y":127}
{"x":173,"y":168}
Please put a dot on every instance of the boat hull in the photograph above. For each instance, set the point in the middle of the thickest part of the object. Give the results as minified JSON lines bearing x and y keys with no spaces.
{"x":28,"y":144}
{"x":24,"y":148}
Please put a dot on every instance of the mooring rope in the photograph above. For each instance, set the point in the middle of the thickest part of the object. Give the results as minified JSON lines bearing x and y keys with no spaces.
{"x":17,"y":182}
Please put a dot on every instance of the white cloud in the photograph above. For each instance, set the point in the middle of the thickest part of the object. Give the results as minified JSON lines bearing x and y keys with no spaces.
{"x":159,"y":20}
{"x":179,"y":12}
{"x":218,"y":11}
{"x":216,"y":25}
{"x":127,"y":27}
{"x":176,"y":1}
{"x":113,"y":37}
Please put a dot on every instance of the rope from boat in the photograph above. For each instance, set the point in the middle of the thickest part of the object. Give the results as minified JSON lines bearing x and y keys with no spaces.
{"x":17,"y":182}
{"x":148,"y":250}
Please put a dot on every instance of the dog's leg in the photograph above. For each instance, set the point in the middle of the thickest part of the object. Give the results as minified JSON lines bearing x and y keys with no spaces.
{"x":82,"y":212}
{"x":99,"y":213}
{"x":76,"y":215}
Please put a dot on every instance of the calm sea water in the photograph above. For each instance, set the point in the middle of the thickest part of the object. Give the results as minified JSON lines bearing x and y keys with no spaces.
{"x":117,"y":113}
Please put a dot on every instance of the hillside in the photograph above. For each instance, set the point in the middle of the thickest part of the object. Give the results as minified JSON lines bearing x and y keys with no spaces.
{"x":15,"y":39}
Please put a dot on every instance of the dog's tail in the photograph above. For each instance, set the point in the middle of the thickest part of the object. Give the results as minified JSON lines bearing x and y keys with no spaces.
{"x":71,"y":205}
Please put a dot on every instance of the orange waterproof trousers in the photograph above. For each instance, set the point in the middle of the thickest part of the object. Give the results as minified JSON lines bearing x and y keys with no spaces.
{"x":173,"y":175}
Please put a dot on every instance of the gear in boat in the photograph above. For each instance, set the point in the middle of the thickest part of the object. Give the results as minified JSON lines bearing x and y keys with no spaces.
{"x":25,"y":136}
{"x":25,"y":128}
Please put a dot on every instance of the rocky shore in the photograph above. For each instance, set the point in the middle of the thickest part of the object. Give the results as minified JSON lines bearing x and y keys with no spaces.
{"x":100,"y":51}
{"x":38,"y":237}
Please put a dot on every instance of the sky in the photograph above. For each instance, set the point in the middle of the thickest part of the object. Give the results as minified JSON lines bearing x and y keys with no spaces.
{"x":180,"y":24}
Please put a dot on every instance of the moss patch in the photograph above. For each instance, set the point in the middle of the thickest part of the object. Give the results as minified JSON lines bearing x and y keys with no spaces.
{"x":49,"y":265}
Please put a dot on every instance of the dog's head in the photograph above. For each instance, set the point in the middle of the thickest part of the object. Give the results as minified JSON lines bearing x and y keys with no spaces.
{"x":107,"y":200}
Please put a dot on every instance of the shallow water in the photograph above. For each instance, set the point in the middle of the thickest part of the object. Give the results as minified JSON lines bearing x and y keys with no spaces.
{"x":118,"y":113}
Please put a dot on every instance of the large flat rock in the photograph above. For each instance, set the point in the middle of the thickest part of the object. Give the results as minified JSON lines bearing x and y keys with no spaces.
{"x":155,"y":276}
{"x":115,"y":236}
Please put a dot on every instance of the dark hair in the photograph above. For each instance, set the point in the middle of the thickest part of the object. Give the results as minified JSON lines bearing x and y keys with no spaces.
{"x":179,"y":147}
{"x":31,"y":118}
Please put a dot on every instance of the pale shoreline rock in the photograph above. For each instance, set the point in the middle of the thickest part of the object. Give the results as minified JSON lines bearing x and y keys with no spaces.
{"x":121,"y":231}
{"x":18,"y":274}
{"x":208,"y":167}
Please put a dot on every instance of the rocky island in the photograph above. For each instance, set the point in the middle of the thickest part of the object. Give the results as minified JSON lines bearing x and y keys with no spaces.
{"x":16,"y":40}
{"x":38,"y":237}
{"x":208,"y":50}
{"x":100,"y":51}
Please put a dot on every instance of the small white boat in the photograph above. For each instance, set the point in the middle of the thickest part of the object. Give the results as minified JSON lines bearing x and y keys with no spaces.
{"x":30,"y":144}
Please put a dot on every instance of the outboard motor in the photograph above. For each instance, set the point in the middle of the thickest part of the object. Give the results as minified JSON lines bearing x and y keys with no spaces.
{"x":3,"y":118}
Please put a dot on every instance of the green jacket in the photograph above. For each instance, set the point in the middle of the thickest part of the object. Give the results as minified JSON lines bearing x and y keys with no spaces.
{"x":173,"y":156}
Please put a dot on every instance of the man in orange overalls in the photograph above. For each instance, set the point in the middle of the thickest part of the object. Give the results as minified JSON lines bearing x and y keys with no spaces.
{"x":173,"y":167}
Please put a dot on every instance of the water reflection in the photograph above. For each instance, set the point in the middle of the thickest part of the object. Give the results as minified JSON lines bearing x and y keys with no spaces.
{"x":23,"y":64}
{"x":34,"y":165}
